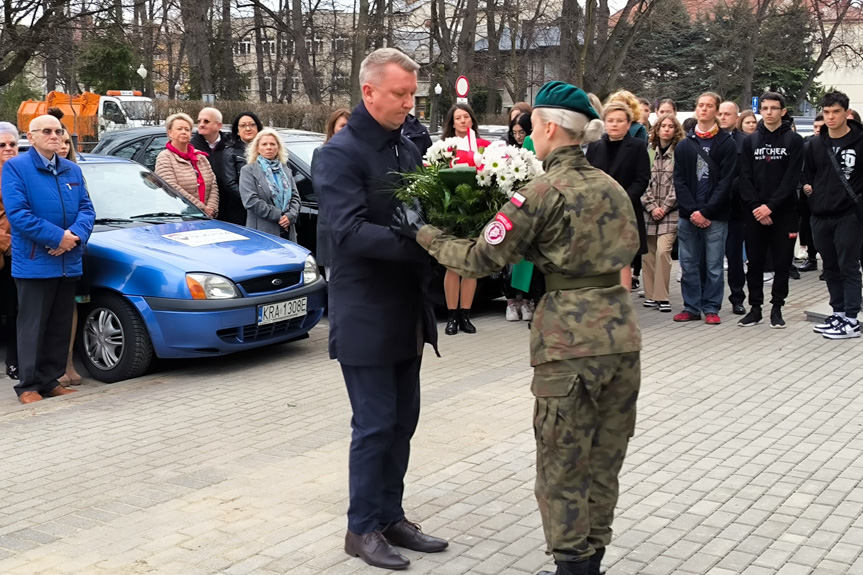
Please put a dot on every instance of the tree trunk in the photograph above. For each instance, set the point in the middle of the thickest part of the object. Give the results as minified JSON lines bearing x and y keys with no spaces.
{"x":232,"y":83}
{"x":259,"y":52}
{"x":467,"y":38}
{"x":762,"y":8}
{"x":359,"y":52}
{"x":194,"y":13}
{"x":307,"y":72}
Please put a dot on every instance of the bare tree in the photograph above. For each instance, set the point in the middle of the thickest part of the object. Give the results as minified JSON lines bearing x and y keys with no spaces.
{"x":829,"y":15}
{"x":194,"y":13}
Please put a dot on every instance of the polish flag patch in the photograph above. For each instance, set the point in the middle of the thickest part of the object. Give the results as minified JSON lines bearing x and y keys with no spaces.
{"x":504,"y":220}
{"x":517,"y":199}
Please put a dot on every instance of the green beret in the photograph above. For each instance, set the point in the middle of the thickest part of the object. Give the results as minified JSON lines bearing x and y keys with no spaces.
{"x":562,"y":95}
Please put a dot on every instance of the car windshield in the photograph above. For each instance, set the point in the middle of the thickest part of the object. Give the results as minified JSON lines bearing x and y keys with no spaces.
{"x":303,"y":150}
{"x":139,"y":109}
{"x":121,"y":190}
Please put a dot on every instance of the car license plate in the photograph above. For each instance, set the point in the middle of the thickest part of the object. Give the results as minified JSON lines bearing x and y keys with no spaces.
{"x":281,"y":311}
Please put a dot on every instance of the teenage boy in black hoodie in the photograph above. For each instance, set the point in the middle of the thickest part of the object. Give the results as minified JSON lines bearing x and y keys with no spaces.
{"x":835,"y":227}
{"x":771,"y":163}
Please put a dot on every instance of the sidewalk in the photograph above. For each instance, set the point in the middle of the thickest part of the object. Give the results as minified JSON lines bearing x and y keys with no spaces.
{"x":746,"y":460}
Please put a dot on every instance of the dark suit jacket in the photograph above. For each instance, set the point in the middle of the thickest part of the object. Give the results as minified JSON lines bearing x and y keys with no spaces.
{"x":378,"y":309}
{"x":230,"y":205}
{"x":631,"y":170}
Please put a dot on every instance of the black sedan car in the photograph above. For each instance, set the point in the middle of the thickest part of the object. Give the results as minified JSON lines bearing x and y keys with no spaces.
{"x":142,"y":145}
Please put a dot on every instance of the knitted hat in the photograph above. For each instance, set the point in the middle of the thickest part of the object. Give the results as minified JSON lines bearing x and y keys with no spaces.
{"x":562,"y":95}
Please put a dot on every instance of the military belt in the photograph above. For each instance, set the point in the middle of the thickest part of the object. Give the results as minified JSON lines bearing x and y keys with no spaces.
{"x":555,"y":282}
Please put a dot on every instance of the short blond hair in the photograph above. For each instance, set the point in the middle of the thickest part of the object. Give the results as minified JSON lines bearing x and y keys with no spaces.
{"x":630,"y":100}
{"x":252,"y":152}
{"x":617,"y":106}
{"x":576,"y":125}
{"x":373,"y":66}
{"x":169,"y":121}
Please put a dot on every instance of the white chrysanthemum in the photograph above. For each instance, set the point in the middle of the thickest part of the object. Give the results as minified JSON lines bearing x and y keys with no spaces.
{"x":484,"y":178}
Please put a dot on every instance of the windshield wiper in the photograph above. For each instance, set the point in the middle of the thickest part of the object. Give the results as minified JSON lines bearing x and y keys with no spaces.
{"x":113,"y":221}
{"x":166,"y":215}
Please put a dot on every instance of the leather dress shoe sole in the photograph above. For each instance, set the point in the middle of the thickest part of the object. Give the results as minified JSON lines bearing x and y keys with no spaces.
{"x":60,"y":390}
{"x":29,"y":397}
{"x":409,"y":535}
{"x":375,"y":550}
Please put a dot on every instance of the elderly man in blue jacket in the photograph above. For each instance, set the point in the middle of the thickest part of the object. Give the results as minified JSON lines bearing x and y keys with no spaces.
{"x":379,"y":315}
{"x":51,"y":217}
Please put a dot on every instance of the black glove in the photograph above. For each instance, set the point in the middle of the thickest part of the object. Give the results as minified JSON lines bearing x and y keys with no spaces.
{"x":407,"y":221}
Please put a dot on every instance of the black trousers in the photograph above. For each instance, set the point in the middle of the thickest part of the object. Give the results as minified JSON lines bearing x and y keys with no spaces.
{"x":45,"y":309}
{"x":777,"y":240}
{"x":839,"y":243}
{"x":386,"y":408}
{"x":806,"y":238}
{"x":734,"y":254}
{"x":9,"y":308}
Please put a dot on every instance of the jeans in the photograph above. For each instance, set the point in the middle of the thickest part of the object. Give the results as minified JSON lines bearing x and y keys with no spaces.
{"x":838,"y":242}
{"x":701,"y":254}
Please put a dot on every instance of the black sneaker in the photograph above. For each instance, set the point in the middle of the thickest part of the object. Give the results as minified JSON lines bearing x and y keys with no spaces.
{"x":829,"y":323}
{"x":776,"y":321}
{"x":635,"y":283}
{"x":649,"y":303}
{"x":843,"y":330}
{"x":752,"y":318}
{"x":794,"y":273}
{"x":808,"y":266}
{"x":738,"y":309}
{"x":664,"y":306}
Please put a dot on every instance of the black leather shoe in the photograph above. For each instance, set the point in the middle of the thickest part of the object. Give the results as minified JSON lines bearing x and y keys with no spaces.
{"x":12,"y":371}
{"x":808,"y":266}
{"x":464,"y":323}
{"x":452,"y":323}
{"x":738,"y":309}
{"x":570,"y":568}
{"x":375,"y":550}
{"x":409,"y":535}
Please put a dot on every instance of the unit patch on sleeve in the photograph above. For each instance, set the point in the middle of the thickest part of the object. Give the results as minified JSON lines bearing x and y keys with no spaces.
{"x":494,"y":233}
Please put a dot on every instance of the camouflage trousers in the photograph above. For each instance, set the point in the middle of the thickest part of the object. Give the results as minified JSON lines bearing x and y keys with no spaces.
{"x":583,"y":418}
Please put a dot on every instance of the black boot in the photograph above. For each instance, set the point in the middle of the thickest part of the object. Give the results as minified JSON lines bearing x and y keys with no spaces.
{"x":464,"y":323}
{"x":570,"y":568}
{"x":596,"y":561}
{"x":452,"y":322}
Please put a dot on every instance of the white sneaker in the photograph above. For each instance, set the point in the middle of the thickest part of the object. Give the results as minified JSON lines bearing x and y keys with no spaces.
{"x":768,"y":278}
{"x":843,"y":330}
{"x":527,"y":311}
{"x":512,"y":312}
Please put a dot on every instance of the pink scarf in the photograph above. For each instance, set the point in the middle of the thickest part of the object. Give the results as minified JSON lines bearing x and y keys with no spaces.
{"x":192,"y":157}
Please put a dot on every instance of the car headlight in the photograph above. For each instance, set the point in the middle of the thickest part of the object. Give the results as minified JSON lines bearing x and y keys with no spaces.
{"x":210,"y":286}
{"x":310,"y":270}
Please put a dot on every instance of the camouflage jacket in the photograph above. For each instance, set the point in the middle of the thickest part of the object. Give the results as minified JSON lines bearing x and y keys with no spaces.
{"x":575,"y":221}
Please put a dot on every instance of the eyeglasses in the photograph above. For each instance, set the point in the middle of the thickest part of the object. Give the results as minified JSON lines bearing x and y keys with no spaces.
{"x":49,"y":131}
{"x":10,"y":144}
{"x":203,"y":121}
{"x":247,"y":126}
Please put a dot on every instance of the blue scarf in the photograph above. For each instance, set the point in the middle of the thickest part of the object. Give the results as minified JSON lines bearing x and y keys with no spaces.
{"x":280,"y":184}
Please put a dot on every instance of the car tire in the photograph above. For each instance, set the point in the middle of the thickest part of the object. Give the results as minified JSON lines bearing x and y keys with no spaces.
{"x":113,"y":339}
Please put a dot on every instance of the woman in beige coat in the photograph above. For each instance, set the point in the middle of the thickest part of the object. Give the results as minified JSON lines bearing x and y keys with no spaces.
{"x":186,"y":169}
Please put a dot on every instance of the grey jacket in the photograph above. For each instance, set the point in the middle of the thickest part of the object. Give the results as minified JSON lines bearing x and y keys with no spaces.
{"x":261,"y":211}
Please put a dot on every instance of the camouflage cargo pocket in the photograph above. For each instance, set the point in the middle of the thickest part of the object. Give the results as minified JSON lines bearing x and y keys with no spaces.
{"x":560,"y":400}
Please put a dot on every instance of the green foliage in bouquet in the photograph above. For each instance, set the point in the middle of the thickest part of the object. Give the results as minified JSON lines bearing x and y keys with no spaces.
{"x":452,"y":199}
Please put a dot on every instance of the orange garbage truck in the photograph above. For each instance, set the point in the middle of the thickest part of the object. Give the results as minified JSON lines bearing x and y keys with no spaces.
{"x":90,"y":115}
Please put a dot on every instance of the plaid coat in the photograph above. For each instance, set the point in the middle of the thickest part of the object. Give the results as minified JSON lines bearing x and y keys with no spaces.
{"x":660,"y":194}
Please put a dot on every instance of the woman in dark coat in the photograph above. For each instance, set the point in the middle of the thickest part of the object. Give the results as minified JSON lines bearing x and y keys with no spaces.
{"x":243,"y":130}
{"x":625,"y":159}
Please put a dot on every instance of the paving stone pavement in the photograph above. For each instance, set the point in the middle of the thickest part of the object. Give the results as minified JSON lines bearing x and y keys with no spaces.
{"x":746,"y":460}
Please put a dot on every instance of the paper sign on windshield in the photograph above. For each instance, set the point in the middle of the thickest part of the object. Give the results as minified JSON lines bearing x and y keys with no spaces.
{"x":198,"y":238}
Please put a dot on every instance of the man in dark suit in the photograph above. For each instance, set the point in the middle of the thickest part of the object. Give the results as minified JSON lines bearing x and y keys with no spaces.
{"x":379,"y":315}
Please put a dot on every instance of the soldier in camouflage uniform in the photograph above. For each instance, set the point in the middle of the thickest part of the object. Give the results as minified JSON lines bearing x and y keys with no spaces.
{"x":577,"y":225}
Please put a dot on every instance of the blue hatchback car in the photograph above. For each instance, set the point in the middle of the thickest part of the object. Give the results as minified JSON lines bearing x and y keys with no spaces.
{"x":167,"y":281}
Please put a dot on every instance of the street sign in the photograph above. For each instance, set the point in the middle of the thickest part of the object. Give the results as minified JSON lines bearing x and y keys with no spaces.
{"x":755,"y":104}
{"x":462,"y":86}
{"x":461,"y":100}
